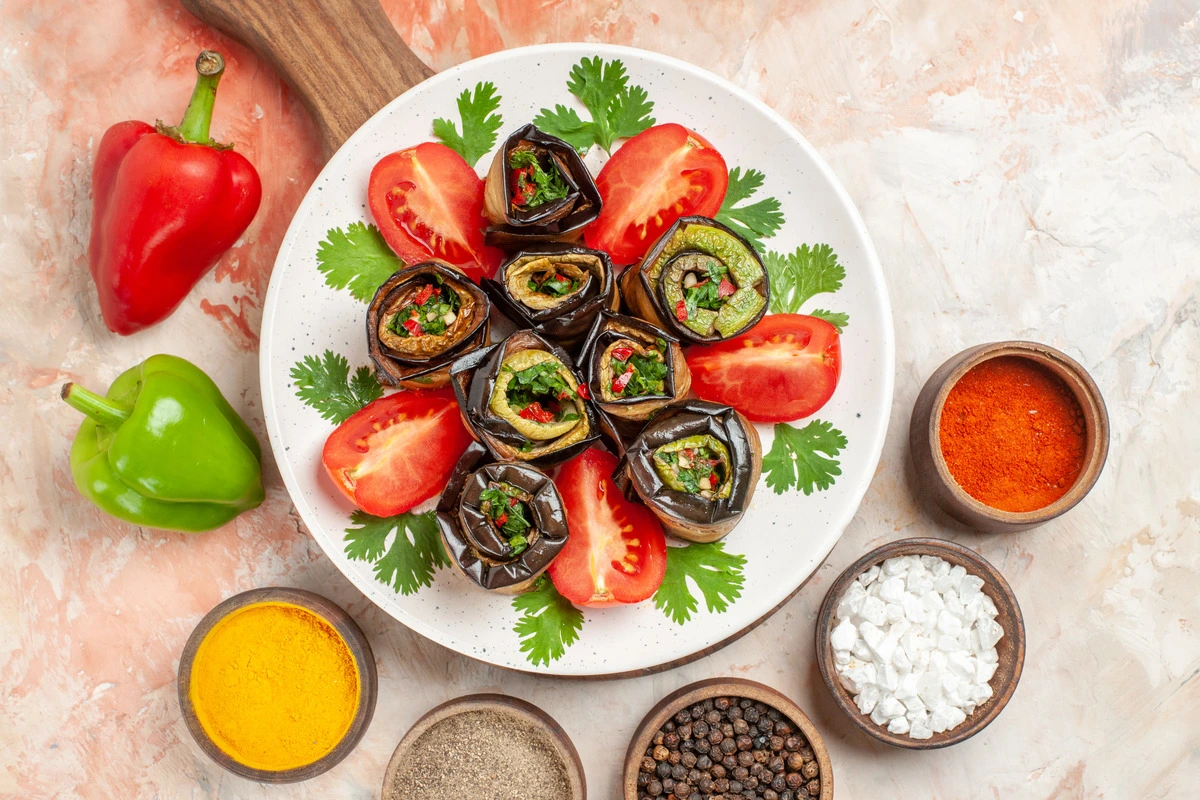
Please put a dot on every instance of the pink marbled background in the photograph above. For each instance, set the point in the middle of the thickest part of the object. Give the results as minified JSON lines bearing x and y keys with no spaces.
{"x":1027,"y":169}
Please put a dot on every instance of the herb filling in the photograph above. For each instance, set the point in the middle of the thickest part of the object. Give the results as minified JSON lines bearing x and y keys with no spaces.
{"x":697,"y":465}
{"x":505,"y":506}
{"x":432,"y":310}
{"x":536,"y":394}
{"x":532,"y":185}
{"x":554,"y":285}
{"x":638,"y":375}
{"x":706,"y":285}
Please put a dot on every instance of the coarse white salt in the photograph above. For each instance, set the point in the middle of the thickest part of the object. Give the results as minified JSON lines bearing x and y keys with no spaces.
{"x":914,"y":642}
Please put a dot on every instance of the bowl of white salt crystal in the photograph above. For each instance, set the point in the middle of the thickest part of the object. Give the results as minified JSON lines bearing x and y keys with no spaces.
{"x":921,"y":642}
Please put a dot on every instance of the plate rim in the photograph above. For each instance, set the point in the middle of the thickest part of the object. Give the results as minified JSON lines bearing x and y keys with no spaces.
{"x":877,"y":433}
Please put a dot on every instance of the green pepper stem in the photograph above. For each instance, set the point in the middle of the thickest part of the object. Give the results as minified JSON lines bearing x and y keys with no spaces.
{"x":104,"y":411}
{"x":209,"y":68}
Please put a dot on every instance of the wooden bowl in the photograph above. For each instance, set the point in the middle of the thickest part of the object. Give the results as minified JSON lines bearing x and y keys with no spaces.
{"x":933,"y":479}
{"x":699,"y":691}
{"x":360,"y":649}
{"x":502,"y":704}
{"x":1010,"y":649}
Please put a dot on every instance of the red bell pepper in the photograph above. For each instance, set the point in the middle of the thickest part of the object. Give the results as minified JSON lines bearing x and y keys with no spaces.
{"x":168,"y":202}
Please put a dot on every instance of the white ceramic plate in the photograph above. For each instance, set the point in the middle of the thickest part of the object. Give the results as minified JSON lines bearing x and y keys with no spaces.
{"x":784,"y":537}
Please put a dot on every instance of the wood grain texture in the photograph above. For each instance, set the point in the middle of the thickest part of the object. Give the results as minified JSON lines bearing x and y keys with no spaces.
{"x":1010,"y":650}
{"x":342,"y":57}
{"x":347,"y":628}
{"x":932,"y":480}
{"x":709,"y":688}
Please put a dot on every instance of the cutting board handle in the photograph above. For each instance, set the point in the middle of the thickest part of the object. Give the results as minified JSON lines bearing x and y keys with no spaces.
{"x":342,"y":57}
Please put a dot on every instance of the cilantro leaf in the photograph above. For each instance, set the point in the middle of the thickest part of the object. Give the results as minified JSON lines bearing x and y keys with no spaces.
{"x":325,"y":384}
{"x":549,"y":624}
{"x":566,"y":124}
{"x":416,"y":551}
{"x":618,"y":110}
{"x":480,"y":123}
{"x":798,"y":276}
{"x":756,"y":221}
{"x":717,"y":574}
{"x":837,"y":319}
{"x":804,"y":458}
{"x":357,"y":258}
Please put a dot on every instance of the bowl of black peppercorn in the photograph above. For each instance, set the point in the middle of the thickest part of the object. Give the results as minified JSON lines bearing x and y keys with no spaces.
{"x":727,"y":738}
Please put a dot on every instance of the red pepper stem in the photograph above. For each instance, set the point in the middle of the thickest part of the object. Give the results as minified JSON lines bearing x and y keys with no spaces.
{"x":104,"y":411}
{"x":209,"y":68}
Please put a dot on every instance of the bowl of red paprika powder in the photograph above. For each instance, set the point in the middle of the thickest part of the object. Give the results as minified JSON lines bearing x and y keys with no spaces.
{"x":1008,"y":435}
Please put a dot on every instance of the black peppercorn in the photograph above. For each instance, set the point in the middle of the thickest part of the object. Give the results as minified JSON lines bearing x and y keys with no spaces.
{"x":682,"y":717}
{"x":660,"y":752}
{"x":735,"y":787}
{"x":814,"y":788}
{"x":740,"y":727}
{"x":741,"y":773}
{"x":734,"y":713}
{"x":702,"y":745}
{"x":713,"y":717}
{"x":779,"y":784}
{"x":674,"y":757}
{"x":783,"y":728}
{"x":750,"y":715}
{"x":794,"y":762}
{"x":663,"y":769}
{"x":703,"y":762}
{"x":794,"y":780}
{"x":682,"y":789}
{"x":775,"y":764}
{"x":721,"y":704}
{"x":715,"y":737}
{"x":787,"y":795}
{"x":685,"y":732}
{"x":647,"y":764}
{"x":792,"y":743}
{"x":671,"y":740}
{"x":728,"y":746}
{"x":750,"y":783}
{"x":770,"y":794}
{"x":727,"y":729}
{"x":718,"y":771}
{"x":806,"y":754}
{"x":729,"y":762}
{"x":700,"y":729}
{"x":722,"y":785}
{"x":642,"y":780}
{"x":705,"y":785}
{"x":745,"y":758}
{"x":760,"y":743}
{"x":693,"y":776}
{"x":654,"y":788}
{"x":668,"y":785}
{"x":810,"y":770}
{"x":688,"y":760}
{"x":745,"y":743}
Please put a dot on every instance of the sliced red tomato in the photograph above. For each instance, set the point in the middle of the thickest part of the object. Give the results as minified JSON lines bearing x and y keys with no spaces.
{"x":664,"y":173}
{"x":784,"y":368}
{"x":397,"y":452}
{"x":616,"y":552}
{"x":428,"y":203}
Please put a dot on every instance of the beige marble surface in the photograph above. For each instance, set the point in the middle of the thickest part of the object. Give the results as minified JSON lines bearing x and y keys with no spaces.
{"x":1026,"y":169}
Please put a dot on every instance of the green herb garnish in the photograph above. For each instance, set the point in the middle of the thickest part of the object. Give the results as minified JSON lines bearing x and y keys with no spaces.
{"x":325,"y":384}
{"x":429,"y":315}
{"x":479,"y":122}
{"x":357,"y":259}
{"x":804,"y":458}
{"x":618,"y":110}
{"x":649,"y":375}
{"x":717,"y":574}
{"x":549,"y":624}
{"x":535,"y":383}
{"x":756,"y":221}
{"x":555,"y":286}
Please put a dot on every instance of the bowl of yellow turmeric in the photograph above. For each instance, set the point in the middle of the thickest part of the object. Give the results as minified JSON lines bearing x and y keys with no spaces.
{"x":277,"y":685}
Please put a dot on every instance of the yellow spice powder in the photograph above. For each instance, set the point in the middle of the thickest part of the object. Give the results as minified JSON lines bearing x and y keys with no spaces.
{"x":274,"y":686}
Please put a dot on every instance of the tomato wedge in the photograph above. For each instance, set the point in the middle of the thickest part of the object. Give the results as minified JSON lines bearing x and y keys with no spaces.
{"x":784,"y":368}
{"x":428,"y":203}
{"x":397,"y":452}
{"x":616,"y":552}
{"x":664,"y":173}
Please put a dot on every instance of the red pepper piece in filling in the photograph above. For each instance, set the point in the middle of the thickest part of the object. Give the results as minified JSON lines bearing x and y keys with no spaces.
{"x":535,"y":412}
{"x":681,"y":311}
{"x":621,"y":381}
{"x":503,"y":518}
{"x":423,"y":295}
{"x":726,"y":288}
{"x":523,"y":187}
{"x":582,"y":391}
{"x":622,"y":353}
{"x":168,"y":202}
{"x":413,"y":327}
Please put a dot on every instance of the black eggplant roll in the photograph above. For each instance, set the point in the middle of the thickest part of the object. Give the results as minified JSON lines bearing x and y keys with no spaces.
{"x":700,"y":280}
{"x":556,"y":289}
{"x":522,"y":399}
{"x":633,"y":369}
{"x":502,"y":524}
{"x":695,"y":466}
{"x":538,"y":189}
{"x":421,"y":320}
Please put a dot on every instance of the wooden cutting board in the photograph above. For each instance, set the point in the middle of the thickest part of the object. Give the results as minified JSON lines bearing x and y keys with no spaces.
{"x":343,"y":58}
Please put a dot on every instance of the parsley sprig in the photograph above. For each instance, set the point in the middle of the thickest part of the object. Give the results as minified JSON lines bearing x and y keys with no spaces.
{"x":837,"y":319}
{"x":533,"y":384}
{"x":717,"y":574}
{"x":799,"y":276}
{"x":549,"y":624}
{"x":480,"y":123}
{"x":804,"y":458}
{"x":618,"y":110}
{"x":356,"y":258}
{"x":754,"y":221}
{"x":406,"y":550}
{"x":325,"y":384}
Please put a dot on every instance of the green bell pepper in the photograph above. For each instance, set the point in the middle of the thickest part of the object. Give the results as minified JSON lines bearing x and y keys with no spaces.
{"x":164,"y":449}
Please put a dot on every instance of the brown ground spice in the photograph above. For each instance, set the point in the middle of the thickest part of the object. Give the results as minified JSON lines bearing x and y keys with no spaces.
{"x":484,"y":755}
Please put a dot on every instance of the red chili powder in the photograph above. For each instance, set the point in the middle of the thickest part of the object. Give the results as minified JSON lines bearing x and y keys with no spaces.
{"x":1013,"y":434}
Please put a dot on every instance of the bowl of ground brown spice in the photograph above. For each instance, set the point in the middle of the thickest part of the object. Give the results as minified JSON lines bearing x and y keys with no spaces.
{"x":488,"y":746}
{"x":1009,"y":435}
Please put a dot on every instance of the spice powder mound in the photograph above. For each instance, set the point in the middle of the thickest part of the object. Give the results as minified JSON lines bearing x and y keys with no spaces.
{"x":1013,"y":434}
{"x":483,"y":754}
{"x":274,"y":686}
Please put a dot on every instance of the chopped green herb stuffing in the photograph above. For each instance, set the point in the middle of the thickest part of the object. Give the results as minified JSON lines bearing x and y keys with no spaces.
{"x":639,"y":375}
{"x":537,"y":392}
{"x":696,"y":465}
{"x":557,"y":285}
{"x":533,"y":186}
{"x":502,"y":504}
{"x":433,"y":309}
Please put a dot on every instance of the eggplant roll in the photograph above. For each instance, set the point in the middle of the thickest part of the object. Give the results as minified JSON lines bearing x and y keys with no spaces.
{"x":633,"y":369}
{"x":538,"y":189}
{"x":502,"y":524}
{"x":700,"y":280}
{"x":522,"y":399}
{"x":421,"y":320}
{"x":556,"y":289}
{"x":695,"y":465}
